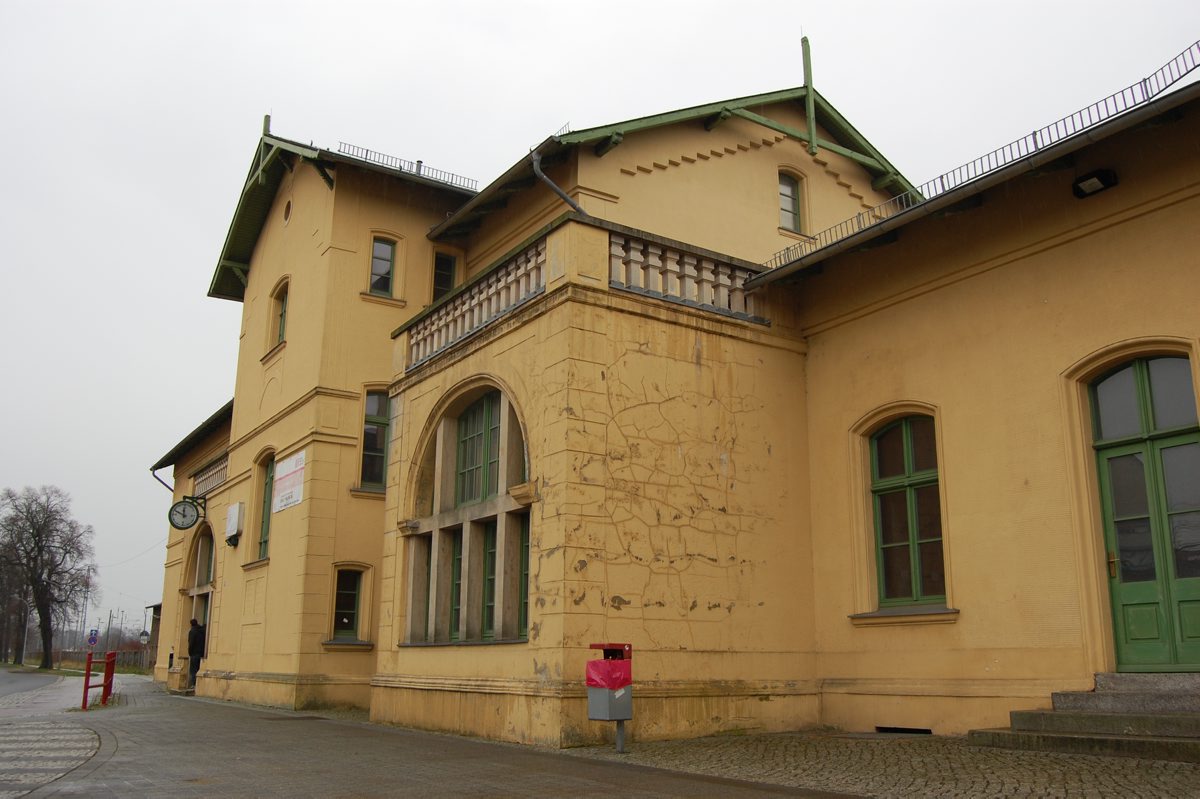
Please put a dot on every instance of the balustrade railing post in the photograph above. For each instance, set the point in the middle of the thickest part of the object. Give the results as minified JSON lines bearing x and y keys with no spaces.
{"x":616,"y":258}
{"x":652,"y":270}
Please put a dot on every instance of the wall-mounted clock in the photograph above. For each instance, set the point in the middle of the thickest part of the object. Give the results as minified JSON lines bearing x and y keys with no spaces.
{"x":183,"y":514}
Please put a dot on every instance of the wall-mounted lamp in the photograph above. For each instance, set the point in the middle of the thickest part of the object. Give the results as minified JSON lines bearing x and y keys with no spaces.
{"x":1093,"y":183}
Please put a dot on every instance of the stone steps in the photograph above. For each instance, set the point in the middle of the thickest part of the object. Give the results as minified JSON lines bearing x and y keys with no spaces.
{"x":1154,"y":716}
{"x":1186,"y":750}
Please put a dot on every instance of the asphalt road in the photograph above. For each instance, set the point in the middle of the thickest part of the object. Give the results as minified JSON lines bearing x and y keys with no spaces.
{"x":12,"y":682}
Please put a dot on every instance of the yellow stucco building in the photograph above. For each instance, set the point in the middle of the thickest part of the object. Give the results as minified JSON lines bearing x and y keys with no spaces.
{"x":824,"y":447}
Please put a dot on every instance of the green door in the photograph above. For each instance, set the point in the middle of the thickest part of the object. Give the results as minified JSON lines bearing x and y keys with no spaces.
{"x":1148,"y":449}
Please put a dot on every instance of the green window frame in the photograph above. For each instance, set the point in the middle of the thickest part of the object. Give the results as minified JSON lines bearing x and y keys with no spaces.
{"x":268,"y":491}
{"x":346,"y":599}
{"x":477,"y":466}
{"x":456,"y":584}
{"x":383,"y":263}
{"x":281,"y":304}
{"x":789,"y":202}
{"x":523,"y":583}
{"x":376,"y":422}
{"x":443,"y":274}
{"x":907,"y":511}
{"x":488,"y":622}
{"x":1145,"y":431}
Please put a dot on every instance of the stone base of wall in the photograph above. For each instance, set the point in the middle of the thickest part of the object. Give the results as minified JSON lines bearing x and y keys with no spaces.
{"x":942,"y":715}
{"x":310,"y":691}
{"x":561,"y":721}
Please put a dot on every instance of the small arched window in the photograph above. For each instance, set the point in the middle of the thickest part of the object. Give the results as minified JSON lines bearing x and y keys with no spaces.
{"x":279,"y":304}
{"x":789,"y":202}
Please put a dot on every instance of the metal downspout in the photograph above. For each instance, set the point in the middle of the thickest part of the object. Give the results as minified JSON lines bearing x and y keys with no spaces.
{"x":535,"y":158}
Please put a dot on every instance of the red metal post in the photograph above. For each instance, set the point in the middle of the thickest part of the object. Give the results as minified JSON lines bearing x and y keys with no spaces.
{"x":110,"y":666}
{"x":87,"y":676}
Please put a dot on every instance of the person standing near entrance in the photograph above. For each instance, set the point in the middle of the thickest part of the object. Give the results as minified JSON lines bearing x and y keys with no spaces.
{"x":195,"y":651}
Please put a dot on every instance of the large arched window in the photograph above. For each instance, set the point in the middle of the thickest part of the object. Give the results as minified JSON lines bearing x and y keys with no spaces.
{"x":908,"y":512}
{"x":468,"y":548}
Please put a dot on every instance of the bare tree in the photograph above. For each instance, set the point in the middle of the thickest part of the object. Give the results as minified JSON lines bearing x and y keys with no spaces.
{"x":50,"y":552}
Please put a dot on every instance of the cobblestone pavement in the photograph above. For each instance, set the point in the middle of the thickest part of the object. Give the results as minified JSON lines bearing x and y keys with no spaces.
{"x":912,"y":766}
{"x":153,"y":744}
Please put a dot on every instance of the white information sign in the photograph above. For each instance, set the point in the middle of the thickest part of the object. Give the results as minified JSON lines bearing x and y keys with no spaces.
{"x":289,"y":482}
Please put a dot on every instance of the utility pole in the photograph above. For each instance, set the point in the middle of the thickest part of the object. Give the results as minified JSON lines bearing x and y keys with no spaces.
{"x":108,"y":633}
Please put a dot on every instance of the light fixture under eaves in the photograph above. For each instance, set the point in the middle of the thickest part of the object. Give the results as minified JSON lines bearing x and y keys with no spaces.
{"x":1093,"y":183}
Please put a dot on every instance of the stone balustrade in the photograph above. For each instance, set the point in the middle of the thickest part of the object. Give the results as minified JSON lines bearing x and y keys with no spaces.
{"x":676,"y":275}
{"x":496,"y":293}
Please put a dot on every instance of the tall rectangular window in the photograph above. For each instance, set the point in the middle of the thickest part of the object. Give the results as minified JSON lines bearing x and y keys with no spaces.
{"x":443,"y":275}
{"x":268,"y":490}
{"x":456,"y":593}
{"x":523,"y":585}
{"x":488,"y":628}
{"x":281,"y":303}
{"x":383,"y":260}
{"x":789,"y":202}
{"x":478,"y":463}
{"x":375,"y":441}
{"x":345,"y":604}
{"x":908,"y":512}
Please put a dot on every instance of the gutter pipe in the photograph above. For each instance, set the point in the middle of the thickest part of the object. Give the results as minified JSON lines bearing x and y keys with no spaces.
{"x":535,"y":158}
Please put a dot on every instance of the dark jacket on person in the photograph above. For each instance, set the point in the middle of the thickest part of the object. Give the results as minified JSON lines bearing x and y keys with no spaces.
{"x":196,"y":642}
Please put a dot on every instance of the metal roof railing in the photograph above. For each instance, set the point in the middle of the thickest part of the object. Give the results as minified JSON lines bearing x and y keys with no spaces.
{"x":1130,"y":97}
{"x":412,"y":167}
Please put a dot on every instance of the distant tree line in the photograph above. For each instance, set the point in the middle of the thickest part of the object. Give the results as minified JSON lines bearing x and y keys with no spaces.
{"x":46,"y":567}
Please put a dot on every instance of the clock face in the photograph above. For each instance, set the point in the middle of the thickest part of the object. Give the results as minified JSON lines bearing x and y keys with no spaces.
{"x":183,"y":515}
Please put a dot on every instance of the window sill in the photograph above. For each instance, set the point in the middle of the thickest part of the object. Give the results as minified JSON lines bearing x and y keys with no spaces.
{"x":794,"y":234}
{"x":906,"y":614}
{"x":406,"y":644}
{"x":347,"y":645}
{"x":255,"y":564}
{"x":271,"y":353}
{"x":382,"y":300}
{"x":368,"y":492}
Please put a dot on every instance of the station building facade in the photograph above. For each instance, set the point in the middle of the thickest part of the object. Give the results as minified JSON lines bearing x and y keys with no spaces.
{"x":915,"y":473}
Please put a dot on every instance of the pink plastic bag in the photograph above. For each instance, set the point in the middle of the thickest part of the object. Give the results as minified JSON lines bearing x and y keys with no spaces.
{"x":610,"y":674}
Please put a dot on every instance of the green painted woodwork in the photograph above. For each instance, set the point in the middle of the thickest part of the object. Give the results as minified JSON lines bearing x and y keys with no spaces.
{"x":375,"y":440}
{"x":907,"y":510}
{"x":488,"y":622}
{"x":478,"y":461}
{"x":456,"y":592}
{"x":607,"y":144}
{"x":810,"y":106}
{"x":866,"y":160}
{"x":1147,"y":444}
{"x":264,"y":527}
{"x":523,"y":586}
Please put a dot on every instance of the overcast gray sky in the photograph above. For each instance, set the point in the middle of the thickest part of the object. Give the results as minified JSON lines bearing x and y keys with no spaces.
{"x":129,"y":128}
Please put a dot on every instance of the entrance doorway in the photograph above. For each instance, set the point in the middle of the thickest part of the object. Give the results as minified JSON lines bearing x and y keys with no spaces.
{"x":1147,"y":445}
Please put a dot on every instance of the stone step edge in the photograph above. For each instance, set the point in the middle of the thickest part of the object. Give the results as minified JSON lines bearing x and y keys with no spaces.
{"x":1101,"y":717}
{"x":1177,"y":750}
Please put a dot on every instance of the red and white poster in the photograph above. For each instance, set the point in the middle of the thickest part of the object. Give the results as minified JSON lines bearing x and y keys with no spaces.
{"x":289,"y":482}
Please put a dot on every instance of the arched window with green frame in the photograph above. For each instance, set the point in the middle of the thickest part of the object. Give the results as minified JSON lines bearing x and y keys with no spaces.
{"x":908,"y":513}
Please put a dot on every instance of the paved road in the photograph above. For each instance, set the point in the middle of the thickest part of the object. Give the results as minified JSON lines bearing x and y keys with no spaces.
{"x":152,"y":744}
{"x":12,"y":681}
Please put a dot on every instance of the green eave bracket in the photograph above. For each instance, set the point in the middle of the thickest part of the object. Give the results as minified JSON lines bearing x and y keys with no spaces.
{"x":607,"y":144}
{"x":240,"y":271}
{"x":787,"y":130}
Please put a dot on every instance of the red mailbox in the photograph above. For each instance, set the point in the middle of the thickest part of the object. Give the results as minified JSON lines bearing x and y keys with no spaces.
{"x":610,"y":687}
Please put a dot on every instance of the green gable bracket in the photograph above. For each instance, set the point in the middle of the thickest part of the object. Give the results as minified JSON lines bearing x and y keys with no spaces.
{"x":868,"y":161}
{"x":608,"y":144}
{"x":241,"y":271}
{"x":324,"y":173}
{"x":717,"y":119}
{"x":810,"y":107}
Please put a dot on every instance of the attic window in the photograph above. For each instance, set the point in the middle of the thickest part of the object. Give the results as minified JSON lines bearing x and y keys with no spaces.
{"x":789,"y":202}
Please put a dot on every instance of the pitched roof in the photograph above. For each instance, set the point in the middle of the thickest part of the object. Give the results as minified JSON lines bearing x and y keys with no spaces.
{"x":273,"y":157}
{"x":847,"y":141}
{"x":206,"y":428}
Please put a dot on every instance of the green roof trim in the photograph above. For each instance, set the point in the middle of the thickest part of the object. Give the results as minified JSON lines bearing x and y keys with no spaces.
{"x":274,"y":157}
{"x":209,"y":426}
{"x":847,"y":142}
